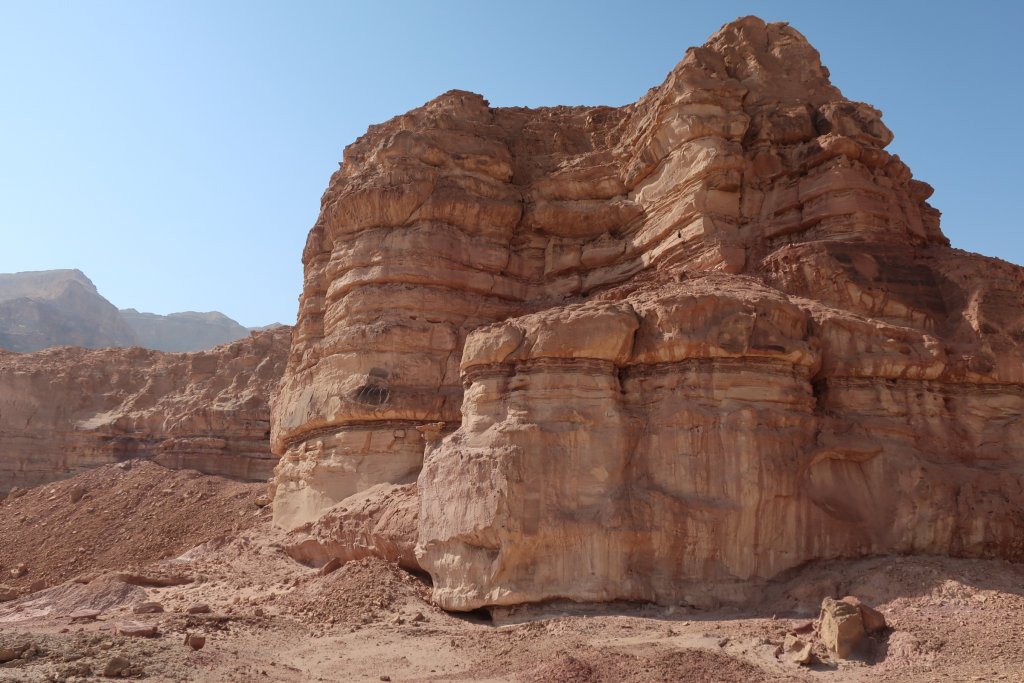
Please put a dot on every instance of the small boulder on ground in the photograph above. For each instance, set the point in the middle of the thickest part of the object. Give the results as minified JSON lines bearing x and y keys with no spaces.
{"x":841,"y":627}
{"x":873,"y":620}
{"x":149,"y":607}
{"x":195,"y":642}
{"x":8,"y":593}
{"x":77,"y":493}
{"x":797,"y":649}
{"x":117,"y":667}
{"x":84,"y":615}
{"x":199,"y":608}
{"x":8,"y":654}
{"x":136,"y":629}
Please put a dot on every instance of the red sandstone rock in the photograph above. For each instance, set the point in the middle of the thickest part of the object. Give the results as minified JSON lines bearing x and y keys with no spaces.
{"x":68,"y":409}
{"x":136,"y":629}
{"x":841,"y":627}
{"x":665,"y":351}
{"x":381,"y":521}
{"x":148,"y":607}
{"x":195,"y":642}
{"x":873,"y":620}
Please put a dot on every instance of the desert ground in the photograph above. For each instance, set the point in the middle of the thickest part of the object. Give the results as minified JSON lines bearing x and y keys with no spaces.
{"x":134,"y":548}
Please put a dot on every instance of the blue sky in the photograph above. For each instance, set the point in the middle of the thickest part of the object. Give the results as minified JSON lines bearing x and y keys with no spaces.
{"x":176,"y":151}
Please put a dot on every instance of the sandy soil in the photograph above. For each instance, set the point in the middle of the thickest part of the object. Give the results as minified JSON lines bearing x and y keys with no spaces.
{"x":272,"y":619}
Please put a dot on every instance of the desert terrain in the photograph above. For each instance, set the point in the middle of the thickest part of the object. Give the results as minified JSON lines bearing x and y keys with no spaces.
{"x":191,"y":542}
{"x":691,"y":389}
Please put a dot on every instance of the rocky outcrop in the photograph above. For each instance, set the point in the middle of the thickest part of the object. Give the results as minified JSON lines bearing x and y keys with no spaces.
{"x":187,"y":331}
{"x":69,"y":409}
{"x":57,"y":308}
{"x":381,"y":521}
{"x":662,"y":352}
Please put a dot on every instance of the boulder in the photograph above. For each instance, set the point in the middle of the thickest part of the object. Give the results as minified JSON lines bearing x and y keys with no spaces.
{"x":136,"y":629}
{"x":148,"y":607}
{"x":797,"y":650}
{"x":840,"y":627}
{"x":116,"y":667}
{"x":873,"y":620}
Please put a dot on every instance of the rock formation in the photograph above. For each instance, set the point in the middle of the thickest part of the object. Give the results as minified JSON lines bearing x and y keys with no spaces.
{"x":186,"y":331}
{"x":57,"y":308}
{"x":662,"y":352}
{"x":69,"y":409}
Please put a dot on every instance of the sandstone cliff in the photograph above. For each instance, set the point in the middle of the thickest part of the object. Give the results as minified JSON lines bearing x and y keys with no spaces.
{"x":66,"y":410}
{"x":660,"y":352}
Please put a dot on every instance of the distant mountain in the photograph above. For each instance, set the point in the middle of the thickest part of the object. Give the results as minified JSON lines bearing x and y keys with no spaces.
{"x":188,"y":331}
{"x":48,"y":308}
{"x":57,"y":308}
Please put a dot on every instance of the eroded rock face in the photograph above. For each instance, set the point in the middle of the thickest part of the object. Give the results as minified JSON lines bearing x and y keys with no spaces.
{"x":661,"y":352}
{"x":381,"y":521}
{"x":69,"y":409}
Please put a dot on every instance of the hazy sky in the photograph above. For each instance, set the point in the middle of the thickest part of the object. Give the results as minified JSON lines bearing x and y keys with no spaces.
{"x":176,"y":151}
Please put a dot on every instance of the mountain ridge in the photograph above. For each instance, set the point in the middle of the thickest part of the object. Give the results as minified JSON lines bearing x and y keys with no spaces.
{"x":63,"y":307}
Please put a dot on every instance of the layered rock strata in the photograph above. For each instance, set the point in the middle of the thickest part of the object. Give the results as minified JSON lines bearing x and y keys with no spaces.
{"x":658,"y":352}
{"x":69,"y":409}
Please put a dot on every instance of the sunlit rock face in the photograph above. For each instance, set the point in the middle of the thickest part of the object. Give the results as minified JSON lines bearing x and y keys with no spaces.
{"x":659,"y":352}
{"x":69,"y":409}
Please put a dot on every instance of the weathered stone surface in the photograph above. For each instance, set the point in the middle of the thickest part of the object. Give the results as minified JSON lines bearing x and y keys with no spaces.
{"x":196,"y":642}
{"x":660,"y":352}
{"x":840,"y":627}
{"x":137,"y":629}
{"x":381,"y":521}
{"x":872,"y":619}
{"x":68,"y":409}
{"x":148,"y":607}
{"x":796,"y":649}
{"x":116,"y":667}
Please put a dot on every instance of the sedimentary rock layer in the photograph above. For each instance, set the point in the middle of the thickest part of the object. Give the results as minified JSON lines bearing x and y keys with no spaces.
{"x":657,"y":352}
{"x":68,"y":409}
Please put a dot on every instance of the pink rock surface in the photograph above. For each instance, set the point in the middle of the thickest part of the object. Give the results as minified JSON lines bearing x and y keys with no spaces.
{"x":659,"y":352}
{"x":68,"y":409}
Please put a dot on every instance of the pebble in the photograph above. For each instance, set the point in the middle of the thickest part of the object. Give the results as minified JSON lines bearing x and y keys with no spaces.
{"x":137,"y":629}
{"x":148,"y":608}
{"x":195,"y":642}
{"x":116,"y":667}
